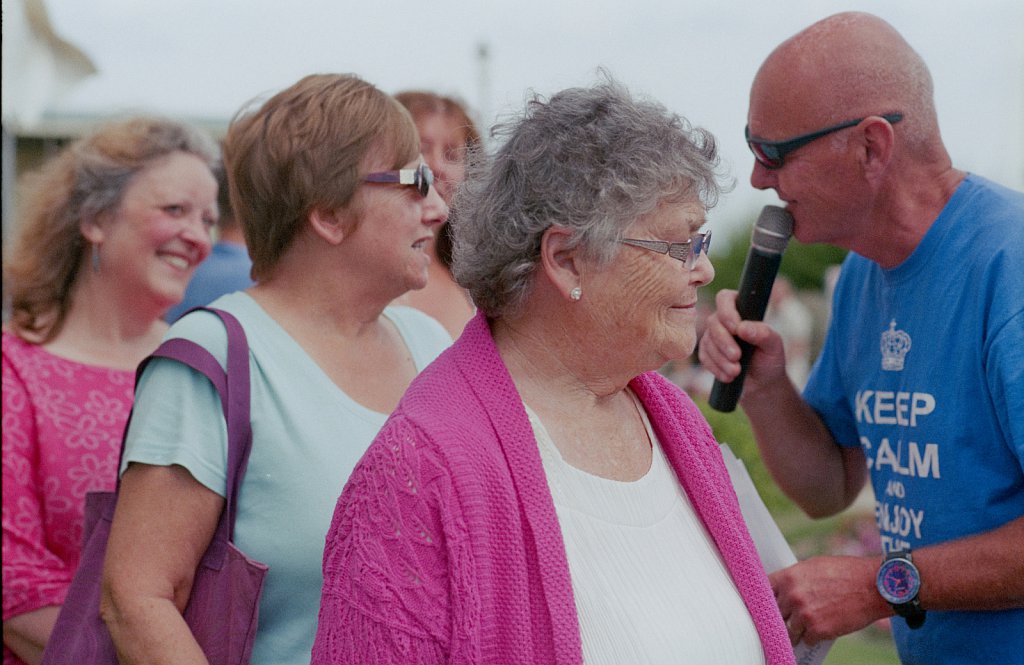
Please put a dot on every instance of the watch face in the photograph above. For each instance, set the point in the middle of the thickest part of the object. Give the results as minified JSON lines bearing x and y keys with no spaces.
{"x":898,"y":581}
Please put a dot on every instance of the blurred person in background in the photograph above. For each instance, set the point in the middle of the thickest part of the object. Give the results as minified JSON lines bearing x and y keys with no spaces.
{"x":337,"y":206}
{"x":793,"y":320}
{"x":447,"y":134}
{"x":227,"y":268}
{"x":541,"y":494}
{"x":111,"y":231}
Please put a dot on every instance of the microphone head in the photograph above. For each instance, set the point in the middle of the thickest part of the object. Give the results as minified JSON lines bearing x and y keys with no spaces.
{"x":772,"y":230}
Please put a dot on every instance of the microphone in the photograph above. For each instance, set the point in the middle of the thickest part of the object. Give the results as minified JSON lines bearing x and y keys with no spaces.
{"x":767,"y":242}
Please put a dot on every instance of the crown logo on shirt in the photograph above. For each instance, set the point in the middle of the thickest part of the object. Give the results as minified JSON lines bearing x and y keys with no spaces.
{"x":895,"y":345}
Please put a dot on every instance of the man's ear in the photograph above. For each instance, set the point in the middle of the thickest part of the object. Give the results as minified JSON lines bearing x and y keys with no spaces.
{"x":331,"y":225}
{"x":879,"y":144}
{"x":560,"y":259}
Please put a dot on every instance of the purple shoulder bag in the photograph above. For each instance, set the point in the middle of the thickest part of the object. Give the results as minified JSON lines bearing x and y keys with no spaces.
{"x":223,"y":609}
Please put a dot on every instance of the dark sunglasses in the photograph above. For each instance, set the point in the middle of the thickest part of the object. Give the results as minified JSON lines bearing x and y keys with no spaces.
{"x":420,"y":177}
{"x":772,"y":154}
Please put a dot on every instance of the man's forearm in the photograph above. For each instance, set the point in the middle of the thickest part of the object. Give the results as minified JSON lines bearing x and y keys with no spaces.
{"x":800,"y":452}
{"x":981,"y":572}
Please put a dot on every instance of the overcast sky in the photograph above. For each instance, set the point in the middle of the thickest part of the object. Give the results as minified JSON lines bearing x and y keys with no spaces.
{"x":208,"y":57}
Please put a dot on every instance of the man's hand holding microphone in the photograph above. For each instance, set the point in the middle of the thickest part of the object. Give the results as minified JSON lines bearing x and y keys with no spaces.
{"x":735,"y":329}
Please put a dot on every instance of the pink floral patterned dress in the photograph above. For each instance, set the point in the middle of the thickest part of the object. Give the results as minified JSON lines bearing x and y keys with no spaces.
{"x":62,"y":428}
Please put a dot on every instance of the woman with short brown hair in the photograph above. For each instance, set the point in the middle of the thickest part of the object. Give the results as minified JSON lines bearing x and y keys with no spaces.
{"x":337,"y":205}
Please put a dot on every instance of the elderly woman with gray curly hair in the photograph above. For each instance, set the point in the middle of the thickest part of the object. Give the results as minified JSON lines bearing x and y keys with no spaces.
{"x":541,"y":494}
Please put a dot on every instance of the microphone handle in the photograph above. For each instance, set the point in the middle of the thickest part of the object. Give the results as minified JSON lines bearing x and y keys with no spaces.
{"x":751,"y":302}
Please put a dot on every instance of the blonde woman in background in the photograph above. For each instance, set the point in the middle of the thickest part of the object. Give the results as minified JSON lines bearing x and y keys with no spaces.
{"x":111,"y":231}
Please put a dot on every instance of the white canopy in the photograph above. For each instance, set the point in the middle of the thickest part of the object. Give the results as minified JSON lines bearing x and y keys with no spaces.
{"x":38,"y":66}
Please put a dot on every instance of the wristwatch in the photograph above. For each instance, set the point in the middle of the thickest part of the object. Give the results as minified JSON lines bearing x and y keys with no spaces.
{"x":899,"y":583}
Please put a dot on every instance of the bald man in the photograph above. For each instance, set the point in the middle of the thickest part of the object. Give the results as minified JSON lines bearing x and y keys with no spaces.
{"x":920,"y":384}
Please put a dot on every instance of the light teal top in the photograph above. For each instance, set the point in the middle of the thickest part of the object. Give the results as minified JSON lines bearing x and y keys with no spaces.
{"x":307,"y":437}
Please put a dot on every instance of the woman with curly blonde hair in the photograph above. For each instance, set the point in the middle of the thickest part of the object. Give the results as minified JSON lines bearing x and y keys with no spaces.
{"x":111,"y":231}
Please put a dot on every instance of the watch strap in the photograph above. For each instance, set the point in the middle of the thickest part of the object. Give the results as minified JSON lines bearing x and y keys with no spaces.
{"x":912,"y":612}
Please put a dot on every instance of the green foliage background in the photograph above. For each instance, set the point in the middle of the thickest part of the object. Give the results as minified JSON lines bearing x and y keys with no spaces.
{"x":804,"y":265}
{"x":734,"y":429}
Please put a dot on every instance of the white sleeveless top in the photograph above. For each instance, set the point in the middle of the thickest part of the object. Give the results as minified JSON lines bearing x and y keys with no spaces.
{"x":649,"y":584}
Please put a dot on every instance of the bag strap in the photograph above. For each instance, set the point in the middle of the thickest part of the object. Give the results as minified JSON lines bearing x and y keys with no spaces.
{"x":233,"y":388}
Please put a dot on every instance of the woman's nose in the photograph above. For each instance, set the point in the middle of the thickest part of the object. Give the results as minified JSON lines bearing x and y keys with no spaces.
{"x":197,"y":232}
{"x":703,"y":271}
{"x":435,"y":210}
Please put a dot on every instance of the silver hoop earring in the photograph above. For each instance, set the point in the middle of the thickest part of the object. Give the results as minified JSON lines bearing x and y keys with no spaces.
{"x":576,"y":294}
{"x":96,"y":258}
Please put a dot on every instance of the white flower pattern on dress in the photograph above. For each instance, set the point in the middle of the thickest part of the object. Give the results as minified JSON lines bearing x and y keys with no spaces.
{"x":62,"y":427}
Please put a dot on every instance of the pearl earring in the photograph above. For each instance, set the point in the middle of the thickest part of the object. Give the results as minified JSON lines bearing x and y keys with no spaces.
{"x":576,"y":294}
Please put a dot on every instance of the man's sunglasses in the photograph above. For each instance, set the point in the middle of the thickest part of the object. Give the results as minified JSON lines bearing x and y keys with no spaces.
{"x":420,"y":177}
{"x":772,"y":154}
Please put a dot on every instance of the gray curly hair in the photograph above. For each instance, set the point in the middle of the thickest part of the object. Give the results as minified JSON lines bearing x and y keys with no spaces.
{"x":589,"y":159}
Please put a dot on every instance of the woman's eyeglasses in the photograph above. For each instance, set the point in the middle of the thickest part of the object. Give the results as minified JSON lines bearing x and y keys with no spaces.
{"x":688,"y":252}
{"x":772,"y":154}
{"x":420,"y":177}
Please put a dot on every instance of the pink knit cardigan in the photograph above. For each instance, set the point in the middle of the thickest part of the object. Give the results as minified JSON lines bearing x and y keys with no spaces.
{"x":445,"y":546}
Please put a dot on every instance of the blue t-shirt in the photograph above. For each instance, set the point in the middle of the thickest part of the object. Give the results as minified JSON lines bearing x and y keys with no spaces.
{"x":307,"y":437}
{"x":923,"y":368}
{"x":225,"y":270}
